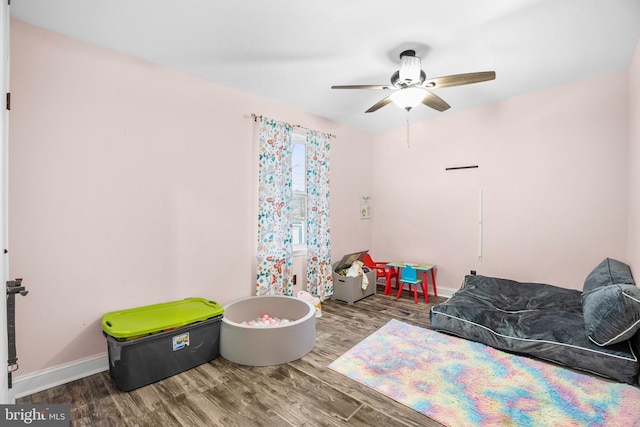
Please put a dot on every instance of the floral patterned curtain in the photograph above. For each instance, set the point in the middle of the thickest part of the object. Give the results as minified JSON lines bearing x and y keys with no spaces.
{"x":274,"y":256}
{"x":319,"y":269}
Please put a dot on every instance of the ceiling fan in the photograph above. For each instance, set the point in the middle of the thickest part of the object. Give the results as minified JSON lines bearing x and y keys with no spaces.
{"x":410,"y":85}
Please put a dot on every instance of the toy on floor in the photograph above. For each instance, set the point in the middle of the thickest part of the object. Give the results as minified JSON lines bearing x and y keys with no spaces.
{"x":306,"y":296}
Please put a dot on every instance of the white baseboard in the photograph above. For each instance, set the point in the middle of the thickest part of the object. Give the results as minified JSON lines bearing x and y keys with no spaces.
{"x":442,"y":292}
{"x":47,"y":378}
{"x":446,"y":292}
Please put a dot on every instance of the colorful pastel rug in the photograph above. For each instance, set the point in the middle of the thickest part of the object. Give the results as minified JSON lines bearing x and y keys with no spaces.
{"x":463,"y":383}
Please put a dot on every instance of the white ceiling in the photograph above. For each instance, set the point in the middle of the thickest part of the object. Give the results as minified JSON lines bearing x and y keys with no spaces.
{"x":293,"y":51}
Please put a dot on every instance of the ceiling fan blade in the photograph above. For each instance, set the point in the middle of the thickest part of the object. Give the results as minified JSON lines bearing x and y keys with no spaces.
{"x":379,"y":105}
{"x":375,"y":87}
{"x":460,"y":79}
{"x":434,"y":101}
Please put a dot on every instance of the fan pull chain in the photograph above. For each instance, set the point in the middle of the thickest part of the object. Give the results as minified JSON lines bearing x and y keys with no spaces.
{"x":408,"y":146}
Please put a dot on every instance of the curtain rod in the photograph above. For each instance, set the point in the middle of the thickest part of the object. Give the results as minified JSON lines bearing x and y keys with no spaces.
{"x":259,"y":117}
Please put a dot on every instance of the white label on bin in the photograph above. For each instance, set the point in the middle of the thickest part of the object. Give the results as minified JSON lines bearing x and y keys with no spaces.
{"x":180,"y":341}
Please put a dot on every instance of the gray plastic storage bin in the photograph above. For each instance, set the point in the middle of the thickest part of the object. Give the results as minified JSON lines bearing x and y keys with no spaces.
{"x":150,"y":343}
{"x":142,"y":361}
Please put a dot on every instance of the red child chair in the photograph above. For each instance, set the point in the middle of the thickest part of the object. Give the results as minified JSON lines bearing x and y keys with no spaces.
{"x":381,"y":271}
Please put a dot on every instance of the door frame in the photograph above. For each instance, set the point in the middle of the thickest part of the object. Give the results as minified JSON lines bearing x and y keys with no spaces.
{"x":5,"y":395}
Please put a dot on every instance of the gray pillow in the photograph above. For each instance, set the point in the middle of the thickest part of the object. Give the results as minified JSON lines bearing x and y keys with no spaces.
{"x":608,"y":272}
{"x":610,"y":303}
{"x":611,"y":313}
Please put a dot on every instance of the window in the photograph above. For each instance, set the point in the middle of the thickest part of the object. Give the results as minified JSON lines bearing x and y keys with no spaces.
{"x":299,"y":188}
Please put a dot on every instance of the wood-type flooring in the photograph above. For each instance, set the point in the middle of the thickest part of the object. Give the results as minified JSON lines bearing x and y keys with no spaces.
{"x":221,"y":393}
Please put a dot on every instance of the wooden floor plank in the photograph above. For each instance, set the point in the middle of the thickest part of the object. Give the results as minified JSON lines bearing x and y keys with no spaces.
{"x":304,"y":392}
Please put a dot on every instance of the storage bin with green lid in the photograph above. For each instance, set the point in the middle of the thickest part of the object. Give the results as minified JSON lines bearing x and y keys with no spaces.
{"x":147,"y":344}
{"x":137,"y":322}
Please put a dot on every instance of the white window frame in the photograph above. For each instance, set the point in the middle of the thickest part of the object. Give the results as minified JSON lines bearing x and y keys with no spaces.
{"x":300,"y":249}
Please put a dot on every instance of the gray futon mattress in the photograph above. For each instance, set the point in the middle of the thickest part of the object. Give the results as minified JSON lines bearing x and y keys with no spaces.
{"x":539,"y":320}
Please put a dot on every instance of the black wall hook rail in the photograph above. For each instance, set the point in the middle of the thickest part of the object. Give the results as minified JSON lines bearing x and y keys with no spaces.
{"x":14,"y":287}
{"x":461,"y":167}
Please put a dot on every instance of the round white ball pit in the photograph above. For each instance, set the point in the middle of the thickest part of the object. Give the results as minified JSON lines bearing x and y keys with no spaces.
{"x":267,"y":345}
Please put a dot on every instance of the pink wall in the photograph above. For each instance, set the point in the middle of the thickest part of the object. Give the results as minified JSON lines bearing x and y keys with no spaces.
{"x":131,"y":184}
{"x":553,"y":172}
{"x":634,"y":164}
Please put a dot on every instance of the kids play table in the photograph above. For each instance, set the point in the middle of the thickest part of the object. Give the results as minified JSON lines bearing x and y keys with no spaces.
{"x":425,"y":268}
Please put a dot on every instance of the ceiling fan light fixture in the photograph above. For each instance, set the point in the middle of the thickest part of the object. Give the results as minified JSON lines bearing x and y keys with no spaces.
{"x":409,"y":69}
{"x":408,"y":98}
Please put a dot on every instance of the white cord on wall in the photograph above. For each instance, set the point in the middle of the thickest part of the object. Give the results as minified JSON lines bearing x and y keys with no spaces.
{"x":480,"y":225}
{"x":407,"y":129}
